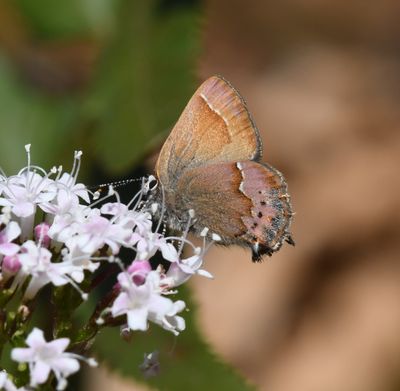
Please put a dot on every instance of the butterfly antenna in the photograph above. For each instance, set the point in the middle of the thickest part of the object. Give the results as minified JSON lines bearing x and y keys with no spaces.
{"x":114,"y":184}
{"x":161,"y":220}
{"x":164,"y":228}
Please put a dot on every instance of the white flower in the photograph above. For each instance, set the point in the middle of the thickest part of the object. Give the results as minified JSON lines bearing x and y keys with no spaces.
{"x":24,"y":192}
{"x":139,"y":221}
{"x":64,"y":202}
{"x":75,"y":261}
{"x":181,"y":270}
{"x":7,"y":235}
{"x":145,"y":302}
{"x":74,"y":233}
{"x":44,"y":357}
{"x":98,"y":231}
{"x":5,"y":215}
{"x":114,"y":209}
{"x":66,"y":225}
{"x":170,"y":320}
{"x":148,"y":243}
{"x":69,"y":182}
{"x":6,"y":384}
{"x":36,"y":262}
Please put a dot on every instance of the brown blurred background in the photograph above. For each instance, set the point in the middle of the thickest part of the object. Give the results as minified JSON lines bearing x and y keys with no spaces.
{"x":322,"y":79}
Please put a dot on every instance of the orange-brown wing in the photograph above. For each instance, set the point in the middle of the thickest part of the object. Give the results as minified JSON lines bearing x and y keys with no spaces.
{"x":214,"y":127}
{"x":213,"y":193}
{"x":244,"y":202}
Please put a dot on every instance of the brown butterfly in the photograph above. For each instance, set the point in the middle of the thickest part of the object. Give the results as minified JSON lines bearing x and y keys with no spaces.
{"x":209,"y":165}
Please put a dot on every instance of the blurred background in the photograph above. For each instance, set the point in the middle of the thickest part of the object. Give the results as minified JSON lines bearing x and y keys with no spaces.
{"x":322,"y":80}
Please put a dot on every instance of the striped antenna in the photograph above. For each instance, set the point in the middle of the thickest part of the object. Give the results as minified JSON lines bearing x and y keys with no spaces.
{"x":115,"y":184}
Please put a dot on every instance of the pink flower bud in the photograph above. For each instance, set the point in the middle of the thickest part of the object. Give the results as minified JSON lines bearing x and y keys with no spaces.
{"x":11,"y":264}
{"x":139,"y":270}
{"x":41,"y":235}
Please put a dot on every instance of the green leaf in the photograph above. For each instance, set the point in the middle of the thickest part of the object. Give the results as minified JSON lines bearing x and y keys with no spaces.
{"x":187,"y":362}
{"x":28,"y":116}
{"x":144,"y":81}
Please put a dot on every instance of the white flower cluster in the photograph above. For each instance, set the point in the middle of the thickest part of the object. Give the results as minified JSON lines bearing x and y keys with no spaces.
{"x":53,"y":230}
{"x":44,"y":357}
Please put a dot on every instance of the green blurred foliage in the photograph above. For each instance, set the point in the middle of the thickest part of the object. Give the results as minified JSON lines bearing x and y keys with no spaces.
{"x":105,"y":77}
{"x":144,"y":79}
{"x":109,"y":77}
{"x":29,"y":116}
{"x":56,"y":19}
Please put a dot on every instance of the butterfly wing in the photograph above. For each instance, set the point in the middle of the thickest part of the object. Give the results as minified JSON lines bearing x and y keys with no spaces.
{"x":245,"y":203}
{"x":214,"y":127}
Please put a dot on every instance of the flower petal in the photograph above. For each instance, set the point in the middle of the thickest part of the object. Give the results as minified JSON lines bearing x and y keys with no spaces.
{"x":22,"y":354}
{"x":39,"y":373}
{"x":36,"y":338}
{"x":137,"y":319}
{"x":65,"y":365}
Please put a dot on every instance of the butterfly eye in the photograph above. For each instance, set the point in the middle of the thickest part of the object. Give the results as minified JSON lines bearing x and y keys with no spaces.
{"x":150,"y":185}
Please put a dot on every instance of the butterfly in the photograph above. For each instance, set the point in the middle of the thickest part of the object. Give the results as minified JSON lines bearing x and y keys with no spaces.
{"x":211,"y":177}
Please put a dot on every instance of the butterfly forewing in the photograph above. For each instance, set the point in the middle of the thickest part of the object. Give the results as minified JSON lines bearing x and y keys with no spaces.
{"x":214,"y":127}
